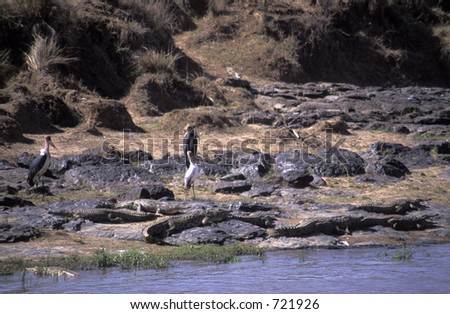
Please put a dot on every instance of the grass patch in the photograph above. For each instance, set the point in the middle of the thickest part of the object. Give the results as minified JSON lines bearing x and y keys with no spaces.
{"x":45,"y":53}
{"x":215,"y":253}
{"x":153,"y":61}
{"x":402,"y":253}
{"x":133,"y":258}
{"x":405,"y":253}
{"x":431,"y":137}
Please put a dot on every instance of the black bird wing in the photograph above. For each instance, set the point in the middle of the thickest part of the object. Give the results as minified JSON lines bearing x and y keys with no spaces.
{"x":36,"y":168}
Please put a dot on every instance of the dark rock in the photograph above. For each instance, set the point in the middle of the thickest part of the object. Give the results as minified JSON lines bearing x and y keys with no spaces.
{"x":86,"y":159}
{"x":388,"y":149}
{"x":75,"y":204}
{"x":199,"y":235}
{"x":258,"y":117}
{"x":251,"y":206}
{"x":260,"y":191}
{"x":7,"y":189}
{"x":432,"y":120}
{"x":416,"y":157}
{"x":240,"y":231}
{"x":295,"y":160}
{"x":108,"y":176}
{"x":167,"y":166}
{"x":445,"y":173}
{"x":43,"y":220}
{"x":14,"y":201}
{"x":390,"y":167}
{"x":156,"y":191}
{"x":339,"y":162}
{"x":402,"y":130}
{"x":318,"y":181}
{"x":236,"y":82}
{"x":138,"y":156}
{"x":378,"y":180}
{"x":6,"y":165}
{"x":14,"y":232}
{"x":252,"y":165}
{"x":233,"y":177}
{"x":297,"y":178}
{"x":74,"y":225}
{"x":233,"y":187}
{"x":212,"y":169}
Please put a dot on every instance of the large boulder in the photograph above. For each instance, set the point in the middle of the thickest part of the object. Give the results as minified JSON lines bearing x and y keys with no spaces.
{"x":253,"y":165}
{"x":233,"y":187}
{"x":154,"y":191}
{"x":389,"y":167}
{"x":14,"y":232}
{"x":413,"y":157}
{"x":337,"y":162}
{"x":108,"y":176}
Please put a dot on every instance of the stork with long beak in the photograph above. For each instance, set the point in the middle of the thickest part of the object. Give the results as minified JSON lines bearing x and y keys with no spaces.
{"x":41,"y":163}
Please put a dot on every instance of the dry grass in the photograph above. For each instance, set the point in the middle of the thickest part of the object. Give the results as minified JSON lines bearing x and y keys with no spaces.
{"x":443,"y":33}
{"x":45,"y":54}
{"x":156,"y":13}
{"x":152,"y":61}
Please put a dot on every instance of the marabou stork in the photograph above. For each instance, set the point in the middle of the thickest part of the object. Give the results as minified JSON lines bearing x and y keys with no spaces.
{"x":192,"y":173}
{"x":40,"y":164}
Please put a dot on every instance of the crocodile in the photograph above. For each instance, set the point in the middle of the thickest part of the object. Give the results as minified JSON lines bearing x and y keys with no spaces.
{"x":105,"y":214}
{"x":259,"y":219}
{"x":327,"y":225}
{"x":153,"y":206}
{"x":411,"y":222}
{"x":340,"y":225}
{"x":165,"y":226}
{"x":400,"y":207}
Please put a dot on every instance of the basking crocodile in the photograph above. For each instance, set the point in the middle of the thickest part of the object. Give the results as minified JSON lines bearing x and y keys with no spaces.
{"x":259,"y":219}
{"x":163,"y":227}
{"x":400,"y":207}
{"x":411,"y":222}
{"x":326,"y":225}
{"x":344,"y":224}
{"x":153,"y":206}
{"x":105,"y":214}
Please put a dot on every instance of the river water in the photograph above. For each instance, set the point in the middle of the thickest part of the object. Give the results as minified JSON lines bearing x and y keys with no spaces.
{"x":358,"y":270}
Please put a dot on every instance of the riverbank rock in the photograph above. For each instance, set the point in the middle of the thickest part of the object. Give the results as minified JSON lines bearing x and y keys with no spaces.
{"x":154,"y":191}
{"x":232,"y":187}
{"x":388,"y":167}
{"x":339,"y":162}
{"x":14,"y":232}
{"x":111,"y":177}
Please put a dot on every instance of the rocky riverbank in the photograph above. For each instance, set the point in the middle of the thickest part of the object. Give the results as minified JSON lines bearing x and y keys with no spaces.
{"x":312,"y":190}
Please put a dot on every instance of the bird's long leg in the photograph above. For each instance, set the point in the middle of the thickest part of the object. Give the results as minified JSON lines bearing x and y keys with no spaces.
{"x":193,"y":190}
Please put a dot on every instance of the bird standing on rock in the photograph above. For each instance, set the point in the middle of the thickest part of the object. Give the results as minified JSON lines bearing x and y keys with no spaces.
{"x":192,"y":173}
{"x":41,"y":163}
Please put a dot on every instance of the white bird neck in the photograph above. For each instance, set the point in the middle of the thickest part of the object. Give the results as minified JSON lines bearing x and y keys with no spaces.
{"x":46,"y":149}
{"x":191,"y":161}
